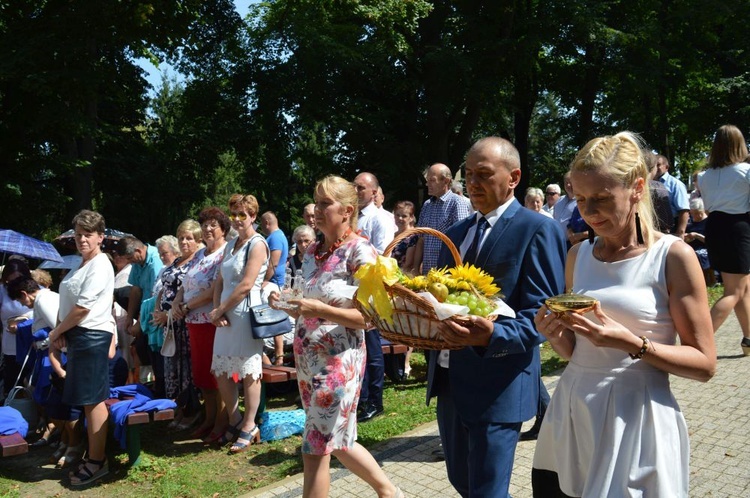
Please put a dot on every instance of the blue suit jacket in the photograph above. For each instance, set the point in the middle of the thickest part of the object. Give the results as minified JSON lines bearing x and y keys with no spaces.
{"x":525,"y":252}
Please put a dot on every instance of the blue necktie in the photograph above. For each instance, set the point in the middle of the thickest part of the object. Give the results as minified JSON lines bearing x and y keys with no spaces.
{"x":471,"y":254}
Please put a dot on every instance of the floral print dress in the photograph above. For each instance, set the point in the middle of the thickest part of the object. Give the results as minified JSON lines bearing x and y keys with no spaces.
{"x":177,"y":370}
{"x":330,"y":358}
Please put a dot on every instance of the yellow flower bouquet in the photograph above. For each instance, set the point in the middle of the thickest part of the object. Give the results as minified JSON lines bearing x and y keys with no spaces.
{"x":397,"y":304}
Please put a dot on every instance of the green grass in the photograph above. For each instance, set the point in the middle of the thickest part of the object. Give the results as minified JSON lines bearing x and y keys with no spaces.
{"x":714,"y":293}
{"x":172,"y":467}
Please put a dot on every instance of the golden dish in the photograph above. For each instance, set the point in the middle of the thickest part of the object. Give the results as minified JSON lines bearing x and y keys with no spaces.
{"x":578,"y":303}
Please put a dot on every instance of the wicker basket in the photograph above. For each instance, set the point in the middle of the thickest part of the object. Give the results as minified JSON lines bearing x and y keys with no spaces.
{"x":414,"y":319}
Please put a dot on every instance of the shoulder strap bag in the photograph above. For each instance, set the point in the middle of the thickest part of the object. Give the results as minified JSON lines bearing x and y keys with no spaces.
{"x":265,"y":321}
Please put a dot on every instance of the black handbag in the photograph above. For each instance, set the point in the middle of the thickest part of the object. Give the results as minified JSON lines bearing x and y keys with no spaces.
{"x":267,"y":322}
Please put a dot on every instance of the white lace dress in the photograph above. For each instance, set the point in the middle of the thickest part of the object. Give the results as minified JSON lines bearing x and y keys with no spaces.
{"x":613,"y":427}
{"x":236,"y":353}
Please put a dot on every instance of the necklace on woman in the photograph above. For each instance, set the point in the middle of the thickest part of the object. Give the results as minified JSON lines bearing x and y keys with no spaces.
{"x":334,"y":246}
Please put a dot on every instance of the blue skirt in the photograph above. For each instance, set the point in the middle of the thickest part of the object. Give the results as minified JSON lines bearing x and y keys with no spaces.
{"x":87,"y":371}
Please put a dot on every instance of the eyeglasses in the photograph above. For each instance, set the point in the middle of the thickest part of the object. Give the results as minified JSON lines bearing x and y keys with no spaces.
{"x":552,"y":193}
{"x":210,"y":225}
{"x":238,"y":216}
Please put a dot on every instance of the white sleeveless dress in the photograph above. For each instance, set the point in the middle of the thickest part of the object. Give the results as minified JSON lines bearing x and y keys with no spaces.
{"x":235,"y":349}
{"x":613,"y":427}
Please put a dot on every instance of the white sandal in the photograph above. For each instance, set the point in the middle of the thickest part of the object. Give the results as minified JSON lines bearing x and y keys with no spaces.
{"x":72,"y":455}
{"x":59,"y":452}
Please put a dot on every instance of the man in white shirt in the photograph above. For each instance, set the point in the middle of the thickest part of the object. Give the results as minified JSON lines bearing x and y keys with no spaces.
{"x":379,"y":200}
{"x":373,"y":225}
{"x":551,"y":196}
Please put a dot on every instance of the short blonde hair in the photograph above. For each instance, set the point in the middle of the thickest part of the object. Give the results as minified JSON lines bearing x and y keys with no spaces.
{"x":171,"y":241}
{"x":621,"y":158}
{"x":42,"y":277}
{"x":342,"y":191}
{"x":248,"y":202}
{"x":192,"y":227}
{"x":534,"y":192}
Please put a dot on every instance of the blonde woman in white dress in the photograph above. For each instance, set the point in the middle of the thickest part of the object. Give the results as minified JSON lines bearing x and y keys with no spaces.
{"x":613,"y":427}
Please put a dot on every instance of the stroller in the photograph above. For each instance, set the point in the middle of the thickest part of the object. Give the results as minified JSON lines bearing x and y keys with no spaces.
{"x":26,"y":397}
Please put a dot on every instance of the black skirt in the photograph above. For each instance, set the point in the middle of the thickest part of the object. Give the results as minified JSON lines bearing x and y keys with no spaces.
{"x":728,"y":242}
{"x":87,"y":371}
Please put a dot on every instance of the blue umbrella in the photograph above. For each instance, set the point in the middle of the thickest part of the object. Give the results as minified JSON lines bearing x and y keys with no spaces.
{"x":70,"y":262}
{"x":13,"y":242}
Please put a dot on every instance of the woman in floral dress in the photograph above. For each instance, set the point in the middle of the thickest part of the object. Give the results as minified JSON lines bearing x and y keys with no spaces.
{"x":177,"y":371}
{"x":329,"y":347}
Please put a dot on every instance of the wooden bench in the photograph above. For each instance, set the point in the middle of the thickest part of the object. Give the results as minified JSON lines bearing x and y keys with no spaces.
{"x":135,"y":422}
{"x":273,"y":374}
{"x":394,"y":348}
{"x":13,"y":444}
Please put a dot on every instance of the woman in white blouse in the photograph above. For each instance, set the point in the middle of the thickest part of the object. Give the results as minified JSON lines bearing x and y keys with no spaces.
{"x":194,"y":302}
{"x":86,"y":327}
{"x":725,"y":189}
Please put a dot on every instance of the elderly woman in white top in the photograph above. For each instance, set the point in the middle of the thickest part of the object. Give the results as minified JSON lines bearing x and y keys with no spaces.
{"x":87,"y":328}
{"x":534,"y":200}
{"x":725,"y":189}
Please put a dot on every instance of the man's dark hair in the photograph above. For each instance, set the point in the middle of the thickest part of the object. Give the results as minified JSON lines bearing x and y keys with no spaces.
{"x":127,"y":245}
{"x":17,"y":285}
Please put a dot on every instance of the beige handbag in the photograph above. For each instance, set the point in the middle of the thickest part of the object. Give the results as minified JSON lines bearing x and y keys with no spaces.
{"x":169,"y":348}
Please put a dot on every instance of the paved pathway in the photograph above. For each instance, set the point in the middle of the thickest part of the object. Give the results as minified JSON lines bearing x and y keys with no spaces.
{"x":717,"y":413}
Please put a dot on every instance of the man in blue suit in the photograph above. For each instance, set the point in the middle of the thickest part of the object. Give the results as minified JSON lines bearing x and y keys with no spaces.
{"x":491,"y":384}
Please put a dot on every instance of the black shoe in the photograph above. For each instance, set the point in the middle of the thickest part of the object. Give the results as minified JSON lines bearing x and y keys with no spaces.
{"x":745,"y":346}
{"x":369,"y":412}
{"x":532,"y":433}
{"x":438,"y":454}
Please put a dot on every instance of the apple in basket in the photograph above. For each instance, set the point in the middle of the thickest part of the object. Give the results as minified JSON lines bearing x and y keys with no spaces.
{"x":440,"y":291}
{"x":464,"y":285}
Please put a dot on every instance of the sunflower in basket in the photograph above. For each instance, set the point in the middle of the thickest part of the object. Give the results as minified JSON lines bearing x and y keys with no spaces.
{"x":465,"y":285}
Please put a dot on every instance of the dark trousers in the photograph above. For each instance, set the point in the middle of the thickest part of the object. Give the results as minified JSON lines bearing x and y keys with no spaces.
{"x":545,"y":484}
{"x":157,"y":365}
{"x":372,"y":382}
{"x":479,"y":455}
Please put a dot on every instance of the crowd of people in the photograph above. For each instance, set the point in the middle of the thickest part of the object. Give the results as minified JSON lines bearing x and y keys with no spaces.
{"x":624,"y":232}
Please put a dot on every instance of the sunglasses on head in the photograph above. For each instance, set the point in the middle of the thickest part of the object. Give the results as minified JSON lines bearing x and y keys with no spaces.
{"x":238,"y":216}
